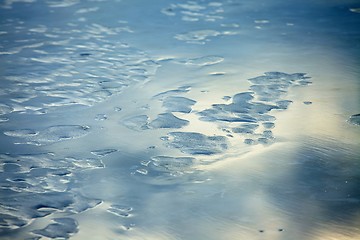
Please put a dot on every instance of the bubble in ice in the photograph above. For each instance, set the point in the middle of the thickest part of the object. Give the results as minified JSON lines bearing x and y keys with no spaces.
{"x":168,"y":120}
{"x":355,"y":119}
{"x":178,"y":104}
{"x":61,"y":228}
{"x":196,"y":143}
{"x":103,"y":152}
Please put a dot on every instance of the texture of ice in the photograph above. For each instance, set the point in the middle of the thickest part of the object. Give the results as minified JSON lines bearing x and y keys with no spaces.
{"x":86,"y":163}
{"x":61,"y":228}
{"x":45,"y":181}
{"x":266,"y":95}
{"x":21,"y":133}
{"x":101,"y":117}
{"x":197,"y":143}
{"x":203,"y":61}
{"x":172,"y":164}
{"x":176,"y":73}
{"x":82,"y":204}
{"x":120,"y":210}
{"x":180,"y":90}
{"x":65,"y":69}
{"x":51,"y":134}
{"x":178,"y":104}
{"x":103,"y":152}
{"x":355,"y":119}
{"x":201,"y":36}
{"x":168,"y":120}
{"x":137,"y":123}
{"x":191,"y":11}
{"x":5,"y":109}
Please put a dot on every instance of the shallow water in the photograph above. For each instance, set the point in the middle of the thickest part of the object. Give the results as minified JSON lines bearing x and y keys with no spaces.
{"x":179,"y":119}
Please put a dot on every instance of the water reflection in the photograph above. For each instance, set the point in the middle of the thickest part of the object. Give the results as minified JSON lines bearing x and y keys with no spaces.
{"x":179,"y":120}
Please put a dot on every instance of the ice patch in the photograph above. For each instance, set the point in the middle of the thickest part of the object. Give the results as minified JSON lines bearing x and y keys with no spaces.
{"x":201,"y":36}
{"x":62,"y":228}
{"x":355,"y":119}
{"x":183,"y":89}
{"x":21,"y":133}
{"x":197,"y":143}
{"x":137,"y":123}
{"x":52,"y":134}
{"x":103,"y":152}
{"x":120,"y":210}
{"x":253,"y":107}
{"x":195,"y":11}
{"x":178,"y":104}
{"x":5,"y":109}
{"x":101,"y":117}
{"x":172,"y":165}
{"x":203,"y":61}
{"x":168,"y":120}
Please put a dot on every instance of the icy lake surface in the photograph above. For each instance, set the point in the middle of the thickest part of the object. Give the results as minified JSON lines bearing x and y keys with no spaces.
{"x":170,"y":119}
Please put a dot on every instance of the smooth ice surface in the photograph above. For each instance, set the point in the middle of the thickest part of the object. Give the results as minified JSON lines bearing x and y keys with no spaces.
{"x":177,"y":119}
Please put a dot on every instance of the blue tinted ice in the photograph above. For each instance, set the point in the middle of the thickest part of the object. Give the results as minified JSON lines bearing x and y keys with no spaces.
{"x":168,"y":120}
{"x":178,"y":104}
{"x":61,"y":228}
{"x":355,"y":119}
{"x":179,"y":119}
{"x":197,"y":143}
